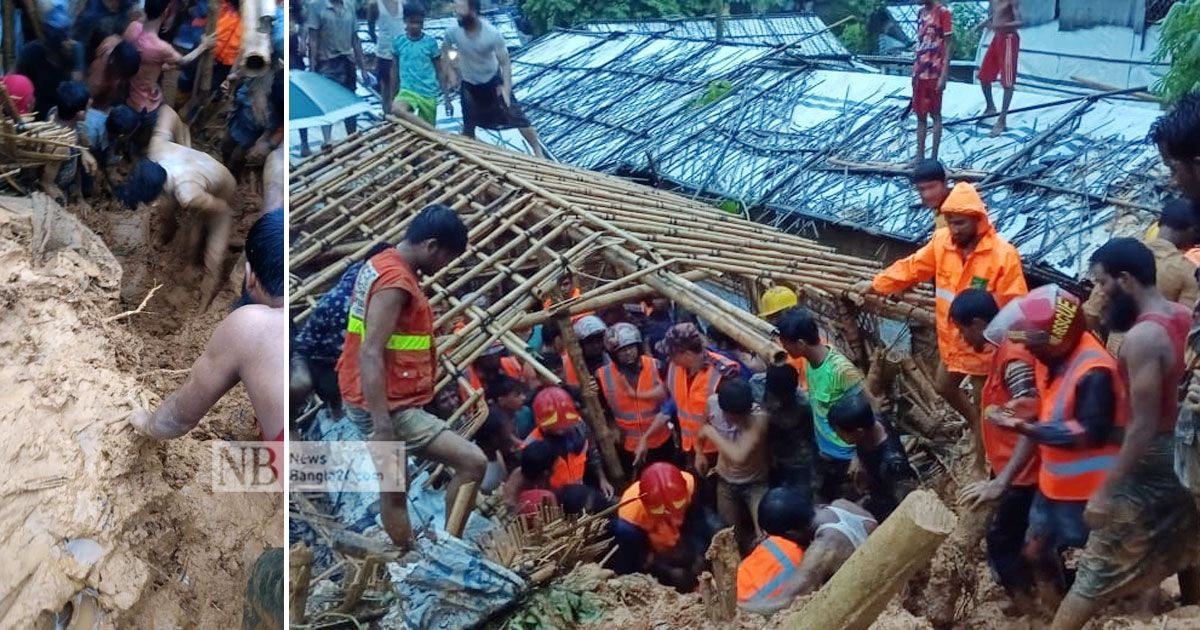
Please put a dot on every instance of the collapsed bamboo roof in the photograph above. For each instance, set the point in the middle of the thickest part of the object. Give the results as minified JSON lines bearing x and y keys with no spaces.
{"x":531,"y":219}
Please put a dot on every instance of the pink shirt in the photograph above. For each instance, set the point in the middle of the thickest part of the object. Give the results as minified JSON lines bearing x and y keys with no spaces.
{"x":144,"y":91}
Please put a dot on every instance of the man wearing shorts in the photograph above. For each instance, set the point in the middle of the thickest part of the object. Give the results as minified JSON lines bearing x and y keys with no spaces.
{"x":388,"y":366}
{"x":1004,"y":18}
{"x":334,"y":49}
{"x":931,"y":70}
{"x":486,"y":73}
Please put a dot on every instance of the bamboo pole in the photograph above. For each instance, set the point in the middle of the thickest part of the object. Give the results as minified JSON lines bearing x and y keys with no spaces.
{"x":591,"y":402}
{"x":456,"y":520}
{"x":255,"y":54}
{"x":864,"y":585}
{"x":205,"y":73}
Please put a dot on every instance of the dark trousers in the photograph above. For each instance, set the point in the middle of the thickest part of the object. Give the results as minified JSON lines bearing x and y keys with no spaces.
{"x":1006,"y":539}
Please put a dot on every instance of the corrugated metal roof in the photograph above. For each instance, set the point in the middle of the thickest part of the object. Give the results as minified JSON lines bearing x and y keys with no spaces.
{"x":624,"y":102}
{"x":806,"y":30}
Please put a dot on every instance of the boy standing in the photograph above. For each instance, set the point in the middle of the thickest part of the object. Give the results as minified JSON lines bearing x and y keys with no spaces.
{"x":931,"y":69}
{"x":417,"y":62}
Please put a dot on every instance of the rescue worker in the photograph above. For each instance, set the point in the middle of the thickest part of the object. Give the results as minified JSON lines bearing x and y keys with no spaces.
{"x":762,"y":574}
{"x":1144,"y":526}
{"x":827,"y":535}
{"x":771,"y":307}
{"x":491,"y":364}
{"x":590,"y":331}
{"x":559,"y":424}
{"x":662,"y":533}
{"x":1011,"y":456}
{"x":967,"y":254}
{"x":634,"y":391}
{"x":567,"y":287}
{"x":692,"y":376}
{"x":830,"y":377}
{"x":1081,"y":413}
{"x":388,"y":366}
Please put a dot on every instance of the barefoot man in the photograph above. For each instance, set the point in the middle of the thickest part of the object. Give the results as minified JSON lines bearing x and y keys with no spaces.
{"x":1143,"y":522}
{"x":1004,"y":18}
{"x":388,"y":366}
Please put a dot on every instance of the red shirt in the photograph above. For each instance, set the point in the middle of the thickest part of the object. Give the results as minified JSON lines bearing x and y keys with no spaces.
{"x":934,"y":26}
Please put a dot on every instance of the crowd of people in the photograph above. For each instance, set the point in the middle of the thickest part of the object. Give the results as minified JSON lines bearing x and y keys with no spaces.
{"x":412,"y":70}
{"x":1081,"y":444}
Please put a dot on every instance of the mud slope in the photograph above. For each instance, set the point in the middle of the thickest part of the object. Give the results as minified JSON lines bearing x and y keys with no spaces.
{"x":85,"y":505}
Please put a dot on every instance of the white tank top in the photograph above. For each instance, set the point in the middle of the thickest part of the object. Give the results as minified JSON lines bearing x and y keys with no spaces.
{"x":850,"y":525}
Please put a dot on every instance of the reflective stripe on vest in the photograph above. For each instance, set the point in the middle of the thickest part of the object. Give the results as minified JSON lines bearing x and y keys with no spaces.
{"x":754,"y":568}
{"x":397,"y":342}
{"x":1075,"y":474}
{"x":944,"y":294}
{"x":634,"y":422}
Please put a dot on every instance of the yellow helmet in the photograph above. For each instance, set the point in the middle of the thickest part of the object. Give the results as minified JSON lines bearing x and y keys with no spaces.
{"x":776,"y":299}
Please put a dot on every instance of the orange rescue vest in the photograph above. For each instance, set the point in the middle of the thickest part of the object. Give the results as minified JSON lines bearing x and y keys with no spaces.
{"x":568,"y":469}
{"x":1075,"y":474}
{"x":633,"y":416}
{"x":662,"y":534}
{"x":998,"y":443}
{"x":762,"y":575}
{"x":691,"y":398}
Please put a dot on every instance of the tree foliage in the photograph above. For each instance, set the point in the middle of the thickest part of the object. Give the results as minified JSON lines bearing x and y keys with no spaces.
{"x":967,"y":17}
{"x":1180,"y":44}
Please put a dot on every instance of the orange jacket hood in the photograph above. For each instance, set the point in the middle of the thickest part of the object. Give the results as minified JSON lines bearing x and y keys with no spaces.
{"x":964,"y":199}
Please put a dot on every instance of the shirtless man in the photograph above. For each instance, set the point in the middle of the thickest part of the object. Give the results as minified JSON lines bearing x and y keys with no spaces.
{"x":828,"y":534}
{"x":194,"y":182}
{"x":1000,"y":61}
{"x":247,"y":347}
{"x":1143,"y":523}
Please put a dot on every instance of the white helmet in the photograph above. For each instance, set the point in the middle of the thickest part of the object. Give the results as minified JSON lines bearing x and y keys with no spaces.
{"x":588,"y":326}
{"x":620,"y":335}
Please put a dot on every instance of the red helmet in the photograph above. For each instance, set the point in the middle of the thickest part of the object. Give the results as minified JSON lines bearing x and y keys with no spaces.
{"x":1048,"y":316}
{"x":555,"y":410}
{"x":666,"y":491}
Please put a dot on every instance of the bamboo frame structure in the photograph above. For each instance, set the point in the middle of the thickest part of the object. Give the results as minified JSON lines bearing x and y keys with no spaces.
{"x":528,"y":221}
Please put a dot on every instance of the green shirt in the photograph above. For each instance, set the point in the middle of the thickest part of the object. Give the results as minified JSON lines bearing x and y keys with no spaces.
{"x":836,"y":376}
{"x":416,"y":58}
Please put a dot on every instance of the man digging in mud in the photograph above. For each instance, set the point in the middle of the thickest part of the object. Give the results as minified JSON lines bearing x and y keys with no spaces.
{"x":176,"y":179}
{"x":246,"y":347}
{"x":388,"y":366}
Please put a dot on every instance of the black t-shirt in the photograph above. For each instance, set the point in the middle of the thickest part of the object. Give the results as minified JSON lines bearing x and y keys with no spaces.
{"x":890,"y":477}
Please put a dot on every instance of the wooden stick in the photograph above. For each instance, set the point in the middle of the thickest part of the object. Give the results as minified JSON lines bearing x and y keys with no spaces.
{"x":456,"y":520}
{"x":864,"y":585}
{"x":136,"y":310}
{"x":299,"y":578}
{"x":594,"y":412}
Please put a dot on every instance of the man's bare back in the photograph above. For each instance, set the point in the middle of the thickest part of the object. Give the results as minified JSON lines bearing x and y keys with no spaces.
{"x":170,"y":127}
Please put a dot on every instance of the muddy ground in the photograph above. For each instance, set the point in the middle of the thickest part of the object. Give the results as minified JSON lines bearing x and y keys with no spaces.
{"x":96,"y":522}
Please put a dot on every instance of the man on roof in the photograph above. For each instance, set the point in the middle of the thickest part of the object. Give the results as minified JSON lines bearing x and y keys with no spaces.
{"x":929,"y":178}
{"x":966,"y":254}
{"x":1000,"y":61}
{"x":931,"y":70}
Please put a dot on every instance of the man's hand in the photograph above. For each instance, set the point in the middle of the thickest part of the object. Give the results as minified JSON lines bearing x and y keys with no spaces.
{"x":980,"y":492}
{"x":639,"y":453}
{"x":208,"y":41}
{"x":1023,"y":408}
{"x":258,"y":153}
{"x":56,"y":193}
{"x":90,"y":166}
{"x":701,"y":462}
{"x":1005,"y":419}
{"x":1193,"y":393}
{"x":859,"y":290}
{"x":1098,"y":512}
{"x":606,"y":487}
{"x":142,"y":422}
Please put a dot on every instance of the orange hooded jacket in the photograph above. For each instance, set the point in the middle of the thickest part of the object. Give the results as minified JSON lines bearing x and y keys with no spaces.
{"x":994,"y":265}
